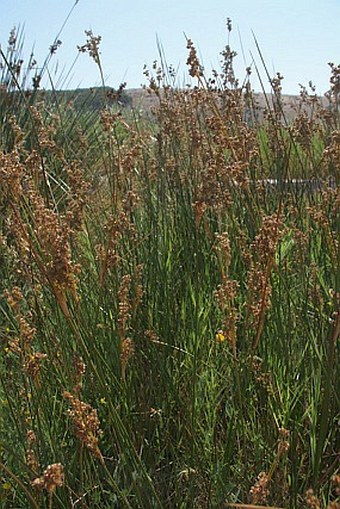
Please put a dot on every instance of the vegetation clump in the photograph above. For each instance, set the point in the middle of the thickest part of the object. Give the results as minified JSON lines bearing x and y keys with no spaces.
{"x":169,"y":321}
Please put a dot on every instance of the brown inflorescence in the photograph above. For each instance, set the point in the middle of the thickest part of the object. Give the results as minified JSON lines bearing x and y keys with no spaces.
{"x":195,"y":68}
{"x":263,"y":249}
{"x":312,"y":500}
{"x":124,"y":305}
{"x":22,"y":345}
{"x":115,"y":229}
{"x":91,"y":46}
{"x":127,"y":350}
{"x":33,"y":362}
{"x":79,"y":368}
{"x":283,"y":442}
{"x":86,"y":423}
{"x":31,"y":451}
{"x":11,"y":174}
{"x":259,"y":492}
{"x":52,"y":477}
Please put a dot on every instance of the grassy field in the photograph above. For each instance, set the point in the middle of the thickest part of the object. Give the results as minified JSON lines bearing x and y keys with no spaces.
{"x":169,"y":323}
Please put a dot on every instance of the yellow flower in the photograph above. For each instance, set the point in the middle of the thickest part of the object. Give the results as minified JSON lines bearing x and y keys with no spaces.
{"x":220,"y":337}
{"x":102,"y":401}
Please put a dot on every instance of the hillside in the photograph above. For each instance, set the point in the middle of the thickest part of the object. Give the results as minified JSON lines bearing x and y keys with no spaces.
{"x":140,"y":99}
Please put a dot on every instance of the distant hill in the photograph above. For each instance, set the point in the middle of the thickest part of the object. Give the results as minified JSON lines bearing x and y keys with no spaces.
{"x":138,"y":98}
{"x":91,"y":98}
{"x":142,"y":100}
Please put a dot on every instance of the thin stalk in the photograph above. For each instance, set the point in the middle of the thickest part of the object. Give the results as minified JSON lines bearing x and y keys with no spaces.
{"x":21,"y":484}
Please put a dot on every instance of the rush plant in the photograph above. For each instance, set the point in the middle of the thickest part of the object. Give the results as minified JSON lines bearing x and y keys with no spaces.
{"x":169,"y":313}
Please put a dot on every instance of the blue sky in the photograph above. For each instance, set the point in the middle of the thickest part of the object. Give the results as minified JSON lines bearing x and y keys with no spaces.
{"x":296,"y":37}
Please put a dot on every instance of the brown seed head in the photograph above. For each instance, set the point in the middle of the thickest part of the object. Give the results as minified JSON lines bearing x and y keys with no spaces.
{"x":259,"y":492}
{"x":52,"y":477}
{"x":312,"y":500}
{"x":86,"y":423}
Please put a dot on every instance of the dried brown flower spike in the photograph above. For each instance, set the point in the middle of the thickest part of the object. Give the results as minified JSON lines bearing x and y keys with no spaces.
{"x":52,"y":477}
{"x":259,"y":492}
{"x":86,"y":423}
{"x":127,"y":351}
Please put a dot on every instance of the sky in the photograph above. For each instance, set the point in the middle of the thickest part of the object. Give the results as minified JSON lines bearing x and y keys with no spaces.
{"x":296,"y":37}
